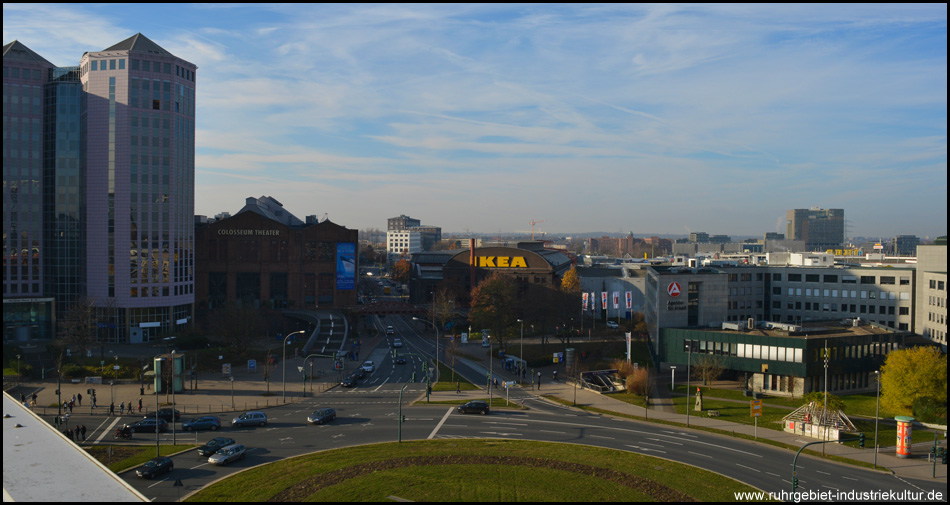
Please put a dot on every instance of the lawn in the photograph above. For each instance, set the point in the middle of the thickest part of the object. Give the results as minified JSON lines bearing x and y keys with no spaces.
{"x":467,"y":470}
{"x":123,"y":457}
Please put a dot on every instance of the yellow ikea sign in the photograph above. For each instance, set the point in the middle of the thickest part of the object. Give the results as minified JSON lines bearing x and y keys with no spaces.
{"x":502,"y":262}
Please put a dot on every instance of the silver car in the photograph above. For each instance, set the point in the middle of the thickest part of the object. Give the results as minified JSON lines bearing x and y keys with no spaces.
{"x":253,"y":418}
{"x":228,"y":454}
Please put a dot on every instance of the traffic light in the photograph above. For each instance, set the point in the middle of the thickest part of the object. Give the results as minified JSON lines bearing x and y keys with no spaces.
{"x":403,"y":419}
{"x":861,"y":440}
{"x":794,"y":483}
{"x":943,"y":457}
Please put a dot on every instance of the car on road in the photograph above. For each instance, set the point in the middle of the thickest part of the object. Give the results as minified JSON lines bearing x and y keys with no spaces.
{"x":155,"y":466}
{"x":397,"y":342}
{"x":349,"y":381}
{"x":214,"y":444}
{"x":399,"y":360}
{"x":228,"y":454}
{"x":252,"y":418}
{"x":390,"y":330}
{"x":359,"y":373}
{"x":474,"y":406}
{"x":202,"y":423}
{"x":321,"y":416}
{"x":368,"y":366}
{"x":149,"y":425}
{"x":167,"y":414}
{"x":612,"y":325}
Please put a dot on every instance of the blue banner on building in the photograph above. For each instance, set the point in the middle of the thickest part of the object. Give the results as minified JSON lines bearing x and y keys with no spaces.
{"x":345,"y":265}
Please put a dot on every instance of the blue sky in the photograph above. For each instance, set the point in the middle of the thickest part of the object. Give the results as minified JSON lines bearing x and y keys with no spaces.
{"x":616,"y":118}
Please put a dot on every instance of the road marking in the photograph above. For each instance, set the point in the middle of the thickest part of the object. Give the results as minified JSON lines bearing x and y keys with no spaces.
{"x":700,"y":454}
{"x":438,"y":426}
{"x":107,"y":430}
{"x":648,"y":443}
{"x":506,"y":423}
{"x":501,"y":434}
{"x":849,"y":478}
{"x":749,"y":468}
{"x":774,"y":474}
{"x":199,"y":466}
{"x":825,"y":473}
{"x":557,"y":432}
{"x":158,"y":482}
{"x":665,"y":441}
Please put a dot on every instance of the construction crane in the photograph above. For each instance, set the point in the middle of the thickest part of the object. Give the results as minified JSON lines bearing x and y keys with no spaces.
{"x":532,"y":223}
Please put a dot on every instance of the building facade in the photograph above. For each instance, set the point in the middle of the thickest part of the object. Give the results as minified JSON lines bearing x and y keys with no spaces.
{"x":820,"y":229}
{"x":256,"y":260}
{"x":931,"y":293}
{"x":112,"y":145}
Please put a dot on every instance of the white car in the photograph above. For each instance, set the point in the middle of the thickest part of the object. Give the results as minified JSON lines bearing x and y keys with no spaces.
{"x":397,"y":342}
{"x":368,"y":366}
{"x":613,"y":325}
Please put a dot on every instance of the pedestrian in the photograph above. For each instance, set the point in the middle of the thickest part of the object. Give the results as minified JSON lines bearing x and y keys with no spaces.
{"x":82,"y":429}
{"x":56,"y":421}
{"x":73,"y":399}
{"x":32,"y":404}
{"x":112,"y":409}
{"x":94,"y":400}
{"x":140,"y":405}
{"x":458,"y":387}
{"x":555,"y":376}
{"x":70,"y":407}
{"x":79,"y":399}
{"x":34,"y":398}
{"x":121,"y":408}
{"x":539,"y":381}
{"x":23,"y":398}
{"x":69,"y":433}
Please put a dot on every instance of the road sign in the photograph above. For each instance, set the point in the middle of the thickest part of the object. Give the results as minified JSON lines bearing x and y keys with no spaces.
{"x":674,"y":289}
{"x":756,"y":408}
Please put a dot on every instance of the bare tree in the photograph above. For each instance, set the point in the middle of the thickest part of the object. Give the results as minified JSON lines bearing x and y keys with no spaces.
{"x":236,"y":327}
{"x":707,"y":367}
{"x":78,"y":326}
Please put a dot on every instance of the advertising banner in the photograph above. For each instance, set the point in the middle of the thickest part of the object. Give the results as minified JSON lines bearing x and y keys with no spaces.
{"x":629,"y":299}
{"x":585,"y":301}
{"x":616,"y":298}
{"x":345,"y":265}
{"x":603,"y":299}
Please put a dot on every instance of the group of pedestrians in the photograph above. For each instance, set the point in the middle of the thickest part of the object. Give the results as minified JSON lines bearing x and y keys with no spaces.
{"x":75,"y":435}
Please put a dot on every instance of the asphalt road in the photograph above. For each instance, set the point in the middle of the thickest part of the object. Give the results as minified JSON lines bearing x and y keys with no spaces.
{"x":369,"y":412}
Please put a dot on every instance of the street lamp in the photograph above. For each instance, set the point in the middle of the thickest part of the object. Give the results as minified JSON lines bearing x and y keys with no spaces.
{"x":672,"y":378}
{"x":877,"y":411}
{"x":283,"y":375}
{"x":521,"y":365}
{"x":491,"y":373}
{"x":232,"y":391}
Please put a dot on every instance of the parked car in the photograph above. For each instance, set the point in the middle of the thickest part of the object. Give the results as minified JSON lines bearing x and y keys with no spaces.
{"x":368,"y":366}
{"x":214,"y":444}
{"x":474,"y":406}
{"x":167,"y":414}
{"x":613,"y":325}
{"x":253,"y":418}
{"x":228,"y":454}
{"x":149,"y":425}
{"x":202,"y":423}
{"x":155,"y":466}
{"x":349,"y":381}
{"x":321,"y":416}
{"x":397,"y":342}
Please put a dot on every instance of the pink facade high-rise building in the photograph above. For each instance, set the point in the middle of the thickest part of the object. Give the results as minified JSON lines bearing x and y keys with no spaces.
{"x":135,"y":181}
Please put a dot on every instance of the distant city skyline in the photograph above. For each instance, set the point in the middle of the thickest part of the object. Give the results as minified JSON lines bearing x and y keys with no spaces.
{"x":625,"y":118}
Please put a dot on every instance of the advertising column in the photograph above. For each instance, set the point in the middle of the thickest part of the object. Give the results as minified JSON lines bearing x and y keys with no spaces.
{"x":904,"y":431}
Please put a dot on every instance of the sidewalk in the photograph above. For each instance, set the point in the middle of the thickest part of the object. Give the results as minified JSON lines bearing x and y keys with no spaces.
{"x":916,"y":467}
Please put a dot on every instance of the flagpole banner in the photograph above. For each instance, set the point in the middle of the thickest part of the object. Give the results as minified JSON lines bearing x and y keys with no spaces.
{"x":585,"y":301}
{"x":616,"y":298}
{"x":629,"y":296}
{"x":603,"y":299}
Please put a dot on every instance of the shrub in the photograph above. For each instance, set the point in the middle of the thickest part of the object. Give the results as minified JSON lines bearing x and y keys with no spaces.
{"x":930,"y":410}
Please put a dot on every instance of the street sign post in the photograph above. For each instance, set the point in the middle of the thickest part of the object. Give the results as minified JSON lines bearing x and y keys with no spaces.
{"x":756,"y":412}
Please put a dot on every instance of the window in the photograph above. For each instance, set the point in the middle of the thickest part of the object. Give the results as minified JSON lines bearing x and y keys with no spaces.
{"x":849,"y":279}
{"x":811,"y":277}
{"x":867,"y":279}
{"x":887,"y":280}
{"x":794,"y":277}
{"x":777,"y":277}
{"x":831,"y":278}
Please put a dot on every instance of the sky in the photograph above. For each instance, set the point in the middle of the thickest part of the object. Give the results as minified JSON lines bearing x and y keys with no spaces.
{"x":650,"y":119}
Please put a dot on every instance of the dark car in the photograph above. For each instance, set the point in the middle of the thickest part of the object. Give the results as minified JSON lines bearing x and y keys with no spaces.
{"x":167,"y":413}
{"x":400,"y":360}
{"x":359,"y":373}
{"x":474,"y":406}
{"x":148,"y":425}
{"x":202,"y":423}
{"x":348,"y":381}
{"x":321,"y":416}
{"x":155,"y":466}
{"x":215,"y":444}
